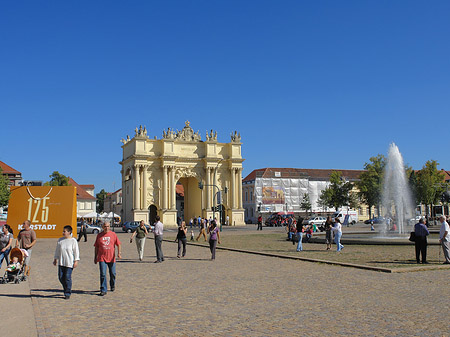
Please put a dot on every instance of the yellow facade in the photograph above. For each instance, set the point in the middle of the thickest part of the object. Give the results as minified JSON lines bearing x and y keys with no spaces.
{"x":151,"y":169}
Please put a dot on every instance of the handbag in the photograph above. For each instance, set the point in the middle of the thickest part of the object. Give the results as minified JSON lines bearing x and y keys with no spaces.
{"x":412,"y":237}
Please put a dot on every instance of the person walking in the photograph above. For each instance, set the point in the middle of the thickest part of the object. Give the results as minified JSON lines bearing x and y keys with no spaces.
{"x":83,"y":231}
{"x":67,"y":256}
{"x":105,"y":255}
{"x":26,"y":240}
{"x":214,"y":238}
{"x":140,"y":233}
{"x":337,"y":229}
{"x":421,"y":240}
{"x":202,"y":226}
{"x":328,"y":236}
{"x":6,"y":240}
{"x":444,"y":239}
{"x":182,"y":240}
{"x":158,"y":232}
{"x":300,"y":229}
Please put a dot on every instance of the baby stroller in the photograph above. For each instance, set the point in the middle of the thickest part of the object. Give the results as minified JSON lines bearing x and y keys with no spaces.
{"x":16,"y":275}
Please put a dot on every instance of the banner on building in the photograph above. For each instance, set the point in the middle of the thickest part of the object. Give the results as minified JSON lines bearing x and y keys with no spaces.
{"x":273,"y":195}
{"x":49,"y":208}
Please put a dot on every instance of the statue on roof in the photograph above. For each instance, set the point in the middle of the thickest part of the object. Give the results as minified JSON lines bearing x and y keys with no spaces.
{"x":236,"y":137}
{"x":141,"y":132}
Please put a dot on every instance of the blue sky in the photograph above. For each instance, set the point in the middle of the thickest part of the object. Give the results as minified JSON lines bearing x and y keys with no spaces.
{"x":308,"y":84}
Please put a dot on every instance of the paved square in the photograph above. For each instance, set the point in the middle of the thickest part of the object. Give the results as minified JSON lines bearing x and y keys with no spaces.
{"x":236,"y":295}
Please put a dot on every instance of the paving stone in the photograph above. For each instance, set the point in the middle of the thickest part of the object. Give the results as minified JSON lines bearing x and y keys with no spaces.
{"x":235,"y":295}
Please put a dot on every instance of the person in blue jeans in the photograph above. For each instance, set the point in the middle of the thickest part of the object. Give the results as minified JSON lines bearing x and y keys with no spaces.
{"x":337,"y":229}
{"x":105,"y":251}
{"x":6,"y":239}
{"x":300,"y":230}
{"x":67,"y":256}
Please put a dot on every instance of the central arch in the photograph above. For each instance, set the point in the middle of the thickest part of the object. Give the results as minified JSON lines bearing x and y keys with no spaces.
{"x":192,"y":198}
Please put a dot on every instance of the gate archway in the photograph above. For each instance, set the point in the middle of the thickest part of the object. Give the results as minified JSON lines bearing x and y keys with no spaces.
{"x":153,"y":212}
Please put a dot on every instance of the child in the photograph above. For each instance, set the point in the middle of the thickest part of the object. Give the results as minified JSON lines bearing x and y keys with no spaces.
{"x":68,"y":255}
{"x":192,"y":235}
{"x":14,"y":265}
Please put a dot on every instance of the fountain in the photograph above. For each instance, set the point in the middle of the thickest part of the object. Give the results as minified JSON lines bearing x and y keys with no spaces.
{"x":396,"y":191}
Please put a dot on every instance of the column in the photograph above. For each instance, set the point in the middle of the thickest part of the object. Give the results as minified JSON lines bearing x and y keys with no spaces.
{"x":144,"y":195}
{"x":164,"y":188}
{"x":208,"y":188}
{"x":239,"y":182}
{"x":136,"y":204}
{"x":212,"y":189}
{"x":233,"y":187}
{"x":173,"y":187}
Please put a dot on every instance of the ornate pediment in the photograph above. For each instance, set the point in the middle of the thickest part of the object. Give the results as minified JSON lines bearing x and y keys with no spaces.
{"x":187,"y":134}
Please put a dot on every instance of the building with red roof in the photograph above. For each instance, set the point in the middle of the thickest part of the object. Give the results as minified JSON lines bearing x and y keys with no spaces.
{"x":282,"y":189}
{"x":14,"y":176}
{"x":86,"y":201}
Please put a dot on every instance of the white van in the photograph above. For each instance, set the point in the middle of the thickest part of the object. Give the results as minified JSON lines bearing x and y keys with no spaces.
{"x":352,"y":216}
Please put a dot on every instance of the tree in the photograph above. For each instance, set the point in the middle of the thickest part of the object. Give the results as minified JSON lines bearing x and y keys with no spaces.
{"x":57,"y":179}
{"x":101,"y":196}
{"x":371,"y":182}
{"x":324,"y":199}
{"x":430,"y":184}
{"x":4,"y":189}
{"x":339,"y":193}
{"x":413,"y":184}
{"x":306,"y":203}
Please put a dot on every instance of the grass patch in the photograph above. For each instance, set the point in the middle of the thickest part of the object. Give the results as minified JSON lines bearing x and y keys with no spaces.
{"x":386,"y":256}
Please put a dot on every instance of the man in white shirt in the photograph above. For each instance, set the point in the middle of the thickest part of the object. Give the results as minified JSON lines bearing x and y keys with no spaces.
{"x":68,"y":255}
{"x":158,"y":231}
{"x":444,"y":239}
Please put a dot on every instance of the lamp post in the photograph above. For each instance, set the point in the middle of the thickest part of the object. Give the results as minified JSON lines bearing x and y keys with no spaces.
{"x":113,"y":211}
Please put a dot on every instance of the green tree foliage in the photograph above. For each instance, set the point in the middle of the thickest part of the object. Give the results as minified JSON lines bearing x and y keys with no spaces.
{"x":413,"y":184}
{"x":430,"y":184}
{"x":57,"y":179}
{"x":370,"y":184}
{"x":101,"y":196}
{"x":306,"y":203}
{"x":4,"y":189}
{"x":339,"y":193}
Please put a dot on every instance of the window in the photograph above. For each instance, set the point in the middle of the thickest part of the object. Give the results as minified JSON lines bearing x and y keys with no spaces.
{"x":246,"y":194}
{"x":81,"y":205}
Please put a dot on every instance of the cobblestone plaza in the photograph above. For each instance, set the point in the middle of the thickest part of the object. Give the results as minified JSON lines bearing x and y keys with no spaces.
{"x":237,"y":295}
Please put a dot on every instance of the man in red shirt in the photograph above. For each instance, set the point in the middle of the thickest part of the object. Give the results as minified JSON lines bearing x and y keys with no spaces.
{"x":105,"y":247}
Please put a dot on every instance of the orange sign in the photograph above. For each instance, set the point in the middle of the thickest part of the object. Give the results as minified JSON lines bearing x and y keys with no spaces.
{"x":49,"y":208}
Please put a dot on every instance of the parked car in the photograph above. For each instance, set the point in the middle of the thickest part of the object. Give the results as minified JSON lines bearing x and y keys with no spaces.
{"x":315,"y":220}
{"x":90,"y":229}
{"x":414,"y":220}
{"x":377,"y":220}
{"x":130,"y":226}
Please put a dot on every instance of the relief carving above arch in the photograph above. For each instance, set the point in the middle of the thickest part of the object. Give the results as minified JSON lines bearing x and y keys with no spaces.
{"x":187,"y":172}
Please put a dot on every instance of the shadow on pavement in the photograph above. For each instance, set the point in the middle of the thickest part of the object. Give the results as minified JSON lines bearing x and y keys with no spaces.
{"x":60,"y":292}
{"x":16,"y":295}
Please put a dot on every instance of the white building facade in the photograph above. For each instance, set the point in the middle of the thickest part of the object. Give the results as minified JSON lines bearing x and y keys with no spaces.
{"x":282,"y":189}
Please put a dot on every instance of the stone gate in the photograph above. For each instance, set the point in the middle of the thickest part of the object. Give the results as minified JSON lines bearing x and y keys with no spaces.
{"x":152,"y":168}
